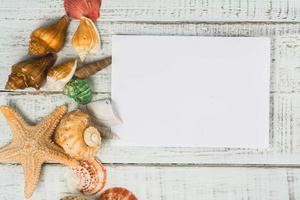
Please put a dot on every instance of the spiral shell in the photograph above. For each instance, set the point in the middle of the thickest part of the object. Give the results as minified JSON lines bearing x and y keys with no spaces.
{"x":117,"y":193}
{"x":29,"y":73}
{"x":80,"y":8}
{"x":73,"y":198}
{"x":60,"y":75}
{"x":77,"y":135}
{"x":86,"y":39}
{"x":79,"y":90}
{"x":89,"y":177}
{"x":49,"y":39}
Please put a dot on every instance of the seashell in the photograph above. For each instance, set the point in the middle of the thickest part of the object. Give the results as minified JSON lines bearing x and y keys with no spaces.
{"x":86,"y":39}
{"x":92,"y":68}
{"x":29,"y":73}
{"x":117,"y":193}
{"x":77,"y":135}
{"x":83,"y":8}
{"x":73,"y":198}
{"x":60,"y":75}
{"x":49,"y":39}
{"x":102,"y":112}
{"x":79,"y":90}
{"x":89,"y":177}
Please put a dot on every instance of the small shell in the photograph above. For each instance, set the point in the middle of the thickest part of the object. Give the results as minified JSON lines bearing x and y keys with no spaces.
{"x":83,"y":8}
{"x":88,"y":178}
{"x":29,"y":73}
{"x":73,"y":198}
{"x":49,"y":39}
{"x":79,"y":90}
{"x":60,"y":75}
{"x":92,"y":68}
{"x":77,"y":136}
{"x":117,"y":193}
{"x":86,"y":39}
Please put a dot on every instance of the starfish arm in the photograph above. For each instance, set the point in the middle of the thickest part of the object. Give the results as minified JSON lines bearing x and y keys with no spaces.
{"x":15,"y":121}
{"x":32,"y":170}
{"x":57,"y":154}
{"x":9,"y":154}
{"x":49,"y":123}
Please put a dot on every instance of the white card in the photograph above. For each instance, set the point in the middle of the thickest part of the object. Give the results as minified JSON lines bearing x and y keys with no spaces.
{"x":186,"y":91}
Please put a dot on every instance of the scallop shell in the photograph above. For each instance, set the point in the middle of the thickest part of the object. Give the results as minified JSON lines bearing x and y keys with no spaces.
{"x":29,"y":73}
{"x":73,"y":198}
{"x":86,"y":39}
{"x":89,"y":177}
{"x":79,"y":90}
{"x":83,"y":8}
{"x":49,"y":39}
{"x":60,"y":75}
{"x":77,"y":135}
{"x":117,"y":193}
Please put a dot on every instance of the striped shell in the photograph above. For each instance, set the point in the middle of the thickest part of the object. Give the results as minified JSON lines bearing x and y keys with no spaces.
{"x":77,"y":136}
{"x":117,"y":193}
{"x":88,"y":178}
{"x":79,"y":90}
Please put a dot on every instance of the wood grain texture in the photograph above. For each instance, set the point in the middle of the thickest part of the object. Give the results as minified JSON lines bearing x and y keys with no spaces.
{"x":167,"y":182}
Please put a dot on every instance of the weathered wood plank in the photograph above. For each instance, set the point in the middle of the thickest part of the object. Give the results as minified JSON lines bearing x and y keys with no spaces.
{"x":165,"y":10}
{"x":167,"y":183}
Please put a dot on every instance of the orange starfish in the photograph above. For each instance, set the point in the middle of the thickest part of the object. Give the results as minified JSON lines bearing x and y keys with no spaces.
{"x":31,"y":146}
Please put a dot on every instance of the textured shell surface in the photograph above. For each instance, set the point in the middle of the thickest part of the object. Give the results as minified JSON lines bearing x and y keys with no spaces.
{"x":49,"y":39}
{"x":79,"y":90}
{"x":83,"y":8}
{"x":117,"y":193}
{"x":86,"y":39}
{"x":60,"y":75}
{"x":74,"y":135}
{"x":73,"y":198}
{"x":89,"y":178}
{"x":30,"y":73}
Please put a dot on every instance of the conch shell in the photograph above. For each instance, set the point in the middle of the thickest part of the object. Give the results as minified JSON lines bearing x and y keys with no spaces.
{"x":89,"y":177}
{"x":29,"y":73}
{"x":60,"y":75}
{"x":117,"y":193}
{"x":83,"y":8}
{"x":49,"y":39}
{"x":92,"y":68}
{"x":78,"y":136}
{"x":79,"y":90}
{"x":86,"y":39}
{"x":73,"y":198}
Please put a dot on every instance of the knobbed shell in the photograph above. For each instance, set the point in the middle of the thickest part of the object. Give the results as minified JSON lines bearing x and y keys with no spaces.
{"x":92,"y":68}
{"x":117,"y":193}
{"x":83,"y":8}
{"x":89,"y":177}
{"x":49,"y":39}
{"x":29,"y":73}
{"x":73,"y":198}
{"x":79,"y":90}
{"x":86,"y":39}
{"x":60,"y":75}
{"x":78,"y":136}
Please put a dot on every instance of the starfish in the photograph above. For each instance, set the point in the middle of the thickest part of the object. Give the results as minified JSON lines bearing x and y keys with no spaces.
{"x":32,"y":146}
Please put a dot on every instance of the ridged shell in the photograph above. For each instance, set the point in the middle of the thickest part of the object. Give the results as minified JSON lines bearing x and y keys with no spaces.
{"x":117,"y":193}
{"x":60,"y":75}
{"x":83,"y":8}
{"x":79,"y":90}
{"x":86,"y":39}
{"x":49,"y":39}
{"x":29,"y":73}
{"x":88,"y":178}
{"x":92,"y":68}
{"x":77,"y":135}
{"x":73,"y":198}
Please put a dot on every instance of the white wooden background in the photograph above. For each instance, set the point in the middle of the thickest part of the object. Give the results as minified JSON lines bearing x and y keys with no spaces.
{"x":170,"y":173}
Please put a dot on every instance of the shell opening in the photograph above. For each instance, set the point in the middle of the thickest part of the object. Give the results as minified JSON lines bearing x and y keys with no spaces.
{"x":92,"y":137}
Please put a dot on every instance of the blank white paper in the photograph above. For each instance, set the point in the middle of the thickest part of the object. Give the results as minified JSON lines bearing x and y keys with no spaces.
{"x":186,"y":91}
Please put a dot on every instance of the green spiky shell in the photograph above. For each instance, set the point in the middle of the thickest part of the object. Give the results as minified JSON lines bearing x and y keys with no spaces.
{"x":79,"y":90}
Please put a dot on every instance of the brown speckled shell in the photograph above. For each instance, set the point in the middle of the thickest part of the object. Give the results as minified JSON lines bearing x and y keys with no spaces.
{"x":117,"y":193}
{"x":73,"y":198}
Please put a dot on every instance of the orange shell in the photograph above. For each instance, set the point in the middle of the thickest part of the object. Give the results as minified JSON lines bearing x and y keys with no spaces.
{"x":49,"y":39}
{"x":117,"y":193}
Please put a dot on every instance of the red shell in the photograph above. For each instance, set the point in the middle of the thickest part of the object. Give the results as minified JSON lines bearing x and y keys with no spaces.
{"x":92,"y":176}
{"x":117,"y":193}
{"x":83,"y":8}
